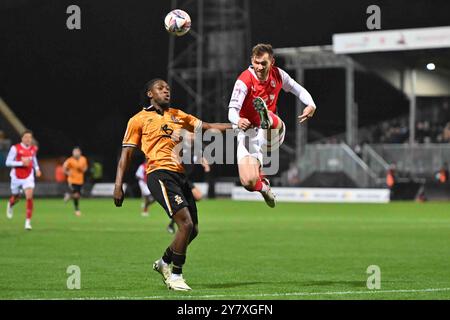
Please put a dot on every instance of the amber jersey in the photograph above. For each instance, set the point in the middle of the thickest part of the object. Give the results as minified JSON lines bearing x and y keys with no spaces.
{"x":155,"y":134}
{"x":76,"y":168}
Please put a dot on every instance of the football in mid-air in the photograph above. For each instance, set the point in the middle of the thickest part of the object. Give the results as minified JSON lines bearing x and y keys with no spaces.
{"x":177,"y":22}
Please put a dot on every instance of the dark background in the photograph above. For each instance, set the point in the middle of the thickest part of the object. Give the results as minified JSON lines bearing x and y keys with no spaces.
{"x":80,"y":87}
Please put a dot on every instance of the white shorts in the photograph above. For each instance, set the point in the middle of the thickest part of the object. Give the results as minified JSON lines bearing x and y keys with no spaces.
{"x":144,"y":188}
{"x":18,"y":184}
{"x":254,"y":142}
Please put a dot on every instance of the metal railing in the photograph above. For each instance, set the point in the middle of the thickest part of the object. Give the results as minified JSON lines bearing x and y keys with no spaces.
{"x":375,"y":162}
{"x":421,"y":160}
{"x":336,"y":158}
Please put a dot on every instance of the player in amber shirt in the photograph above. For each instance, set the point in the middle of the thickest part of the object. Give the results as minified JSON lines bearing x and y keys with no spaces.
{"x":155,"y":130}
{"x":75,"y":167}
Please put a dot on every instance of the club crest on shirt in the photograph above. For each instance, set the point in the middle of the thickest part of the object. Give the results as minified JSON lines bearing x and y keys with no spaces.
{"x":176,"y":120}
{"x":272,"y":83}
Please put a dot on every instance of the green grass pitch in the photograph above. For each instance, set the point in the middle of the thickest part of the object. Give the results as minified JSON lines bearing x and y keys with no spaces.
{"x":245,"y":250}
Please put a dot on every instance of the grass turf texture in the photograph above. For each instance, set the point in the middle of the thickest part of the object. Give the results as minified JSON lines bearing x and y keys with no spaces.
{"x":245,"y":250}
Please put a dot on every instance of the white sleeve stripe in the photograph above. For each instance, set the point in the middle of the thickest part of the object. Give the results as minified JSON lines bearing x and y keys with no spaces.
{"x":198,"y":126}
{"x":292,"y":86}
{"x":238,"y":96}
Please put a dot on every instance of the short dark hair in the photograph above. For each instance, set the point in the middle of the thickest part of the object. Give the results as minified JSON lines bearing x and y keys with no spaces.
{"x":145,"y":100}
{"x":25,"y":132}
{"x":262,"y":48}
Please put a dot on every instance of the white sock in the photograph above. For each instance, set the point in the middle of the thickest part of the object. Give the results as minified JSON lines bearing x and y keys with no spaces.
{"x":27,"y":220}
{"x":175,"y":276}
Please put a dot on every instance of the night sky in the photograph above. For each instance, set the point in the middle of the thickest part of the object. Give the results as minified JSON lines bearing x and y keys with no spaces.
{"x":80,"y":87}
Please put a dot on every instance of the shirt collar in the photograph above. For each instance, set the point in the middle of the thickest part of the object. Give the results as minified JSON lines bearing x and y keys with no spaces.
{"x":152,"y":108}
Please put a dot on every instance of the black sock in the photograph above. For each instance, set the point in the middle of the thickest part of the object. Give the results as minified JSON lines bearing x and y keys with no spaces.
{"x":76,"y":204}
{"x":178,"y":262}
{"x":167,"y":257}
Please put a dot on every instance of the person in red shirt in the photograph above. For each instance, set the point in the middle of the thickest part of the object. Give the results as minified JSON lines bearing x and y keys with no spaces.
{"x":253,"y":108}
{"x":23,"y":163}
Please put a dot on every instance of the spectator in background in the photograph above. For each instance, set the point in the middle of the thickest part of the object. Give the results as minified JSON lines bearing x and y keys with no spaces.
{"x":97,"y":172}
{"x":60,"y":176}
{"x":293,"y":178}
{"x":446,"y":133}
{"x":443,"y":174}
{"x":390,"y":178}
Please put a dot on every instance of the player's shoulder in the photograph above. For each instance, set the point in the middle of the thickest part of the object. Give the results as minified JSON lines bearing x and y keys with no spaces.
{"x":282,"y":74}
{"x":68,"y":161}
{"x":246,"y":76}
{"x":277,"y":72}
{"x":138,"y":117}
{"x":177,"y":112}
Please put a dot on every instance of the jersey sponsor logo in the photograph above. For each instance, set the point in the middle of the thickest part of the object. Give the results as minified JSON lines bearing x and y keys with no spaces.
{"x":167,"y":130}
{"x":271,"y":97}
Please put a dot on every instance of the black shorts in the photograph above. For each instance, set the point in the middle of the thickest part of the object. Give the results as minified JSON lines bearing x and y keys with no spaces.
{"x":173,"y":192}
{"x":75,"y":188}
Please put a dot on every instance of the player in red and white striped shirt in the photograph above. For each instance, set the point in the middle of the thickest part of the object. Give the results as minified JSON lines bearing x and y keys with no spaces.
{"x":23,"y":162}
{"x":253,"y":107}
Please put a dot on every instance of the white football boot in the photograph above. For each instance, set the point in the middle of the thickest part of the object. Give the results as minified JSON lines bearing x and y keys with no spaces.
{"x":268,"y":195}
{"x":28,"y":224}
{"x":163,"y":269}
{"x":177,"y":284}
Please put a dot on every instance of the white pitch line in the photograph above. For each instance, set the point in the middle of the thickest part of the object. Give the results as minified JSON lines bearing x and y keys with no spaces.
{"x":287,"y":294}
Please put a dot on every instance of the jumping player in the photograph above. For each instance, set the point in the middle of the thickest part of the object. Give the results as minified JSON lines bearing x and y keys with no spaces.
{"x":75,"y":167}
{"x":253,"y":105}
{"x":147,"y":199}
{"x":156,"y":131}
{"x":23,"y":163}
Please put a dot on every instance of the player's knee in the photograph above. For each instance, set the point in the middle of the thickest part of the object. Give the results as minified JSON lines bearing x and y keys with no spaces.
{"x":194,"y":233}
{"x":186,"y":224}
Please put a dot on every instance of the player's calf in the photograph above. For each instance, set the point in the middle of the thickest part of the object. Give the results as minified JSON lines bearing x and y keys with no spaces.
{"x":249,"y":183}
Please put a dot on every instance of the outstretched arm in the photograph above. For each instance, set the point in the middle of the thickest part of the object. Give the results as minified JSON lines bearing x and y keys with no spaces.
{"x":292,"y":86}
{"x":216,"y":126}
{"x":122,"y":168}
